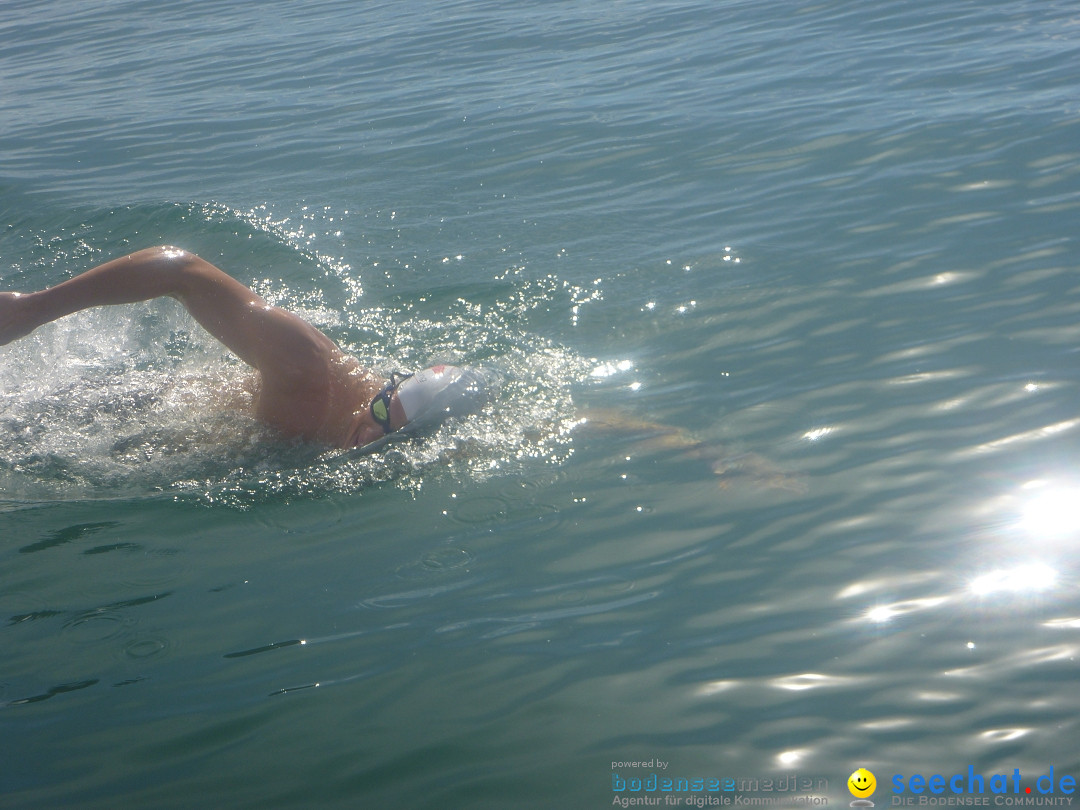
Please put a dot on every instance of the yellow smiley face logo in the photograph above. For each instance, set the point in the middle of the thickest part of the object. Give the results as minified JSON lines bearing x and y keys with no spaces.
{"x":862,"y":783}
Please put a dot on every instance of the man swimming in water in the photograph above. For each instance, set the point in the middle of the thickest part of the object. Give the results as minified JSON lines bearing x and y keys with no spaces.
{"x":308,"y":388}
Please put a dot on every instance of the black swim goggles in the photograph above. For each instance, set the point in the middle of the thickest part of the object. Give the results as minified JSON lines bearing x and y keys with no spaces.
{"x":380,"y":405}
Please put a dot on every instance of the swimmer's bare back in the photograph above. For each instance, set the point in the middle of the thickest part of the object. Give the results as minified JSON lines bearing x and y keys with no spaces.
{"x":308,"y":388}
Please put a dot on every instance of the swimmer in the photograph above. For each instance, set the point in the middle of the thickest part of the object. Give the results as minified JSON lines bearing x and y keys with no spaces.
{"x":307,"y":387}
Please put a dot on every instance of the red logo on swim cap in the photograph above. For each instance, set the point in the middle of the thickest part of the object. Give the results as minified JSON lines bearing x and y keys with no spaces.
{"x":438,"y":369}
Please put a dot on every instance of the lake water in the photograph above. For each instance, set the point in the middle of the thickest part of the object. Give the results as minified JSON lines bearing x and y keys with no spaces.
{"x":780,"y":478}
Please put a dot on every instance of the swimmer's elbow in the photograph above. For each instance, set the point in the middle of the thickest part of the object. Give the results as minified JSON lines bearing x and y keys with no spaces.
{"x":176,"y":261}
{"x":161,"y":270}
{"x":164,"y":256}
{"x":172,"y":252}
{"x":192,"y":279}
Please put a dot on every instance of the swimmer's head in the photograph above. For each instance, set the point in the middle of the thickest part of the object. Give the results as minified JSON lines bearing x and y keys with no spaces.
{"x":414,"y":402}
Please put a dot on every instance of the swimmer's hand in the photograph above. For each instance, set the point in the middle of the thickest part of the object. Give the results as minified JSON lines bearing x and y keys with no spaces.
{"x":16,"y":320}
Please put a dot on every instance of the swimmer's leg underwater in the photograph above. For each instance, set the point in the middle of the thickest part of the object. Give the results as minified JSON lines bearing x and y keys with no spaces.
{"x":654,"y":437}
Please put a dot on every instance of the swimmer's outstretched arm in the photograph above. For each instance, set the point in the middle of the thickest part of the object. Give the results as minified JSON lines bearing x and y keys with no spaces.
{"x":285,"y":349}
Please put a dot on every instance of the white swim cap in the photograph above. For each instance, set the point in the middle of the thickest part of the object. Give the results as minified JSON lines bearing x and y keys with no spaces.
{"x":425,"y":391}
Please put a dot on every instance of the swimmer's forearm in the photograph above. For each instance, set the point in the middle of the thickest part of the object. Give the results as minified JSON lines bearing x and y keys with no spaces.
{"x":214,"y":298}
{"x":141,"y":276}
